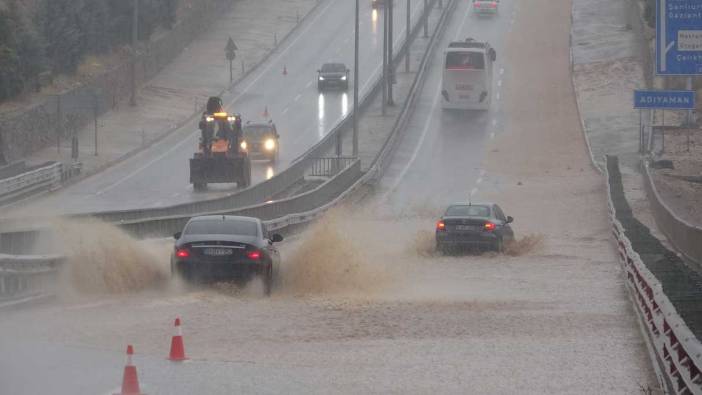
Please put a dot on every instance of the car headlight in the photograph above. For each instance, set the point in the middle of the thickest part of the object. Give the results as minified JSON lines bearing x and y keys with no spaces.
{"x":209,"y":119}
{"x":243,"y":145}
{"x":269,"y":145}
{"x":343,"y":78}
{"x":321,"y":78}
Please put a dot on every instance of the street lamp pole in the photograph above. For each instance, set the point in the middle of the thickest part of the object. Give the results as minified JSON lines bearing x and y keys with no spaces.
{"x":135,"y":38}
{"x":355,"y":86}
{"x":426,"y":19}
{"x":391,"y":69}
{"x":385,"y":62}
{"x":407,"y":36}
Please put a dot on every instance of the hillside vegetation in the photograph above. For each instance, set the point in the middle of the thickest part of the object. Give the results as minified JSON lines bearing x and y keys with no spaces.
{"x":51,"y":37}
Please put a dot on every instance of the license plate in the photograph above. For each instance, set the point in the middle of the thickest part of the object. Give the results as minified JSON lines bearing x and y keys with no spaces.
{"x":466,"y":227}
{"x":218,"y":251}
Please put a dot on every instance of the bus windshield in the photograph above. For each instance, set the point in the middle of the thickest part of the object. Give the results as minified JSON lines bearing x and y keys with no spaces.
{"x":465,"y":61}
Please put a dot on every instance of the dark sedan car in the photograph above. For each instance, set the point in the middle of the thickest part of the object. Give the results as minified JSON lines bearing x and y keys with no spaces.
{"x":333,"y":75}
{"x":478,"y":226}
{"x":225,"y":248}
{"x":261,"y":140}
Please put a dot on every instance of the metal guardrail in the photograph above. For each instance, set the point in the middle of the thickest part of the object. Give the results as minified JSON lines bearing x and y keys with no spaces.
{"x":323,"y":194}
{"x":666,"y":309}
{"x":685,"y":237}
{"x":27,"y":276}
{"x":13,"y":169}
{"x":329,"y":167}
{"x":44,"y":177}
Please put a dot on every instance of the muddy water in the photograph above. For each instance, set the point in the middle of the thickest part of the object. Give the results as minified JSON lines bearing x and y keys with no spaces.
{"x":102,"y":259}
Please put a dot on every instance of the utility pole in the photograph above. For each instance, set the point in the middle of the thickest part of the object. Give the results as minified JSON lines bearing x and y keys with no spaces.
{"x":355,"y":86}
{"x":60,"y":123}
{"x":407,"y":37}
{"x":391,"y":69}
{"x":385,"y":62}
{"x":426,"y":19}
{"x":135,"y":39}
{"x":95,"y":121}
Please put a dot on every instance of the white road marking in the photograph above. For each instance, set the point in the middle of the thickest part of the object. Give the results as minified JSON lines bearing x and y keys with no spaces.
{"x":502,"y":71}
{"x":494,"y":122}
{"x":499,"y":83}
{"x":492,"y":135}
{"x":479,"y":180}
{"x":497,"y":97}
{"x":308,"y":84}
{"x":299,"y":95}
{"x":427,"y":124}
{"x":460,"y":28}
{"x":285,"y":110}
{"x":473,"y":191}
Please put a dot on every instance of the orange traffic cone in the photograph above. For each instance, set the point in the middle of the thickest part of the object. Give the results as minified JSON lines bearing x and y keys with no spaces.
{"x":285,"y":70}
{"x":177,"y":347}
{"x":130,"y":381}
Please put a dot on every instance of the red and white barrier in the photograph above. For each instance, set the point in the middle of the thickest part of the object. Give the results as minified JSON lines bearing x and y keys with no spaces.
{"x":678,"y":352}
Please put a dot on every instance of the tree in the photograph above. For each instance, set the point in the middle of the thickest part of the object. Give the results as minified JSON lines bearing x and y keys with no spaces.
{"x":28,"y":45}
{"x":94,"y":24}
{"x":64,"y":39}
{"x":10,"y":75}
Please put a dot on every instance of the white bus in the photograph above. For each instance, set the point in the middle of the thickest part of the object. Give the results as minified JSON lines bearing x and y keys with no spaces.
{"x":467,"y":78}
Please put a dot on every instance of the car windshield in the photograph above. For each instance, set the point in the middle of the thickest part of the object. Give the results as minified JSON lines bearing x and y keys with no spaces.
{"x":222,"y":227}
{"x":333,"y":68}
{"x":468,"y":211}
{"x":465,"y":61}
{"x":258,"y":130}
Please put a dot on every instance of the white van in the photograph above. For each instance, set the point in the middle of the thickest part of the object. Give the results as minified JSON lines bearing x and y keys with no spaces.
{"x":467,"y":78}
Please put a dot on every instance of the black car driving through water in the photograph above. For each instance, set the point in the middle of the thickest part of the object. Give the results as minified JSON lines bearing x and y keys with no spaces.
{"x":225,"y":248}
{"x":475,"y":226}
{"x":333,"y":75}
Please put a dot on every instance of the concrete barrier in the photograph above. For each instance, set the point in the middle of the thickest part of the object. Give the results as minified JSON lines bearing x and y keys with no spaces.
{"x":686,"y":237}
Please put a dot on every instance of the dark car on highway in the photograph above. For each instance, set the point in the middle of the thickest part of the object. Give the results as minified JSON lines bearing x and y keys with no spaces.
{"x":333,"y":75}
{"x":261,"y":140}
{"x":474,"y":226}
{"x":225,"y":248}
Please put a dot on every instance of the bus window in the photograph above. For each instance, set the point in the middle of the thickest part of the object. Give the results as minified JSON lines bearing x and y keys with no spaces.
{"x":465,"y":61}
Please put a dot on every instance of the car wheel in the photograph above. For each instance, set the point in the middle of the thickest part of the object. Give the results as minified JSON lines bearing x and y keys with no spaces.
{"x":440,"y":248}
{"x":499,"y":246}
{"x":268,"y":281}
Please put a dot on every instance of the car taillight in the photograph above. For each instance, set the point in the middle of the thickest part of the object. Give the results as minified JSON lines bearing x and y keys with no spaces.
{"x":440,"y":225}
{"x":489,"y":226}
{"x":182,"y":253}
{"x":493,"y":5}
{"x":254,"y":255}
